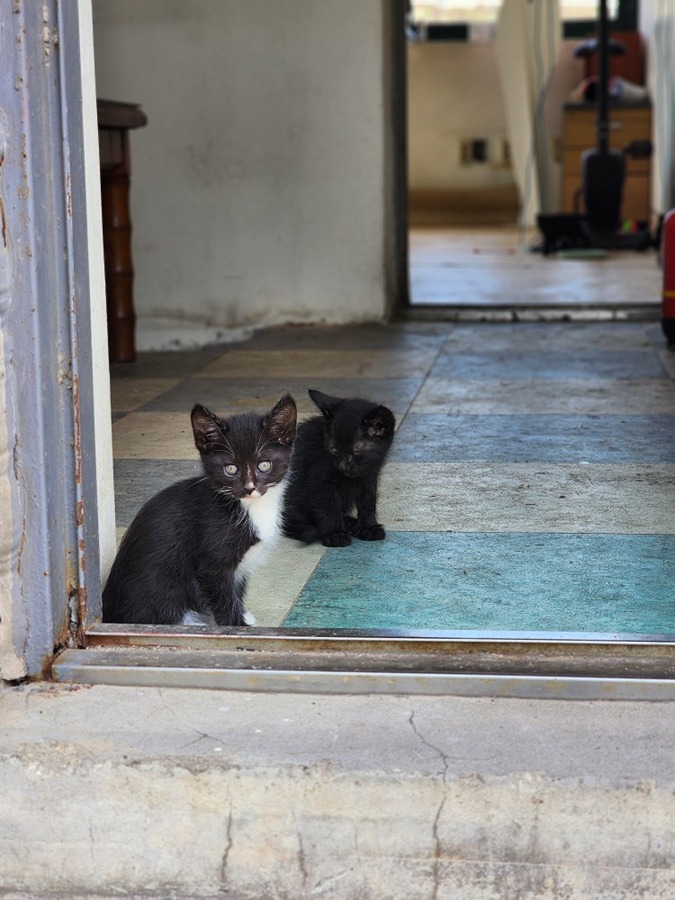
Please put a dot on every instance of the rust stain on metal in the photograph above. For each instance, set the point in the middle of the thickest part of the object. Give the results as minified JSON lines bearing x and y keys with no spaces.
{"x":81,"y":601}
{"x":78,"y":442}
{"x":69,"y":197}
{"x":21,"y":548}
{"x":71,"y":632}
{"x":3,"y":223}
{"x":3,"y":217}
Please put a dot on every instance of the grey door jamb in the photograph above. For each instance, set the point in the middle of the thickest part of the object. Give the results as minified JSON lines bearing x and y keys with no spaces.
{"x":56,"y":397}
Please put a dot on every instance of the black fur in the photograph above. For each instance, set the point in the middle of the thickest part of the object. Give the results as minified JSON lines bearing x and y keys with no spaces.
{"x":334,"y":471}
{"x":182,"y":553}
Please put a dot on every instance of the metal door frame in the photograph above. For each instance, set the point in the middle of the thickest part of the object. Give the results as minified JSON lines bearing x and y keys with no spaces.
{"x":52,"y":312}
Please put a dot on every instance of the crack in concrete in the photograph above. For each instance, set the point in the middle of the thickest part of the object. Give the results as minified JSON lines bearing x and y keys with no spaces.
{"x":226,"y":851}
{"x":302,"y":862}
{"x":201,"y":735}
{"x":436,"y":870}
{"x":327,"y":883}
{"x":443,"y":756}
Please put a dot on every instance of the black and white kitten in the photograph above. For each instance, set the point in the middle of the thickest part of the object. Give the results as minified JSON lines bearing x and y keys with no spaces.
{"x":334,"y":471}
{"x":186,"y":556}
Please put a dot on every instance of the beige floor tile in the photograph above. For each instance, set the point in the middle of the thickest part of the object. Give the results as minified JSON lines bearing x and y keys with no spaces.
{"x":127,"y":394}
{"x":321,"y":364}
{"x":154,"y":435}
{"x":649,"y":396}
{"x":613,"y":499}
{"x":168,"y":435}
{"x":275,"y":586}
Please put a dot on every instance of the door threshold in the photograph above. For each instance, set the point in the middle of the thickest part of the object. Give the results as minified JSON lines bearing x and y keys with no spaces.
{"x":519,"y":665}
{"x":530,"y":313}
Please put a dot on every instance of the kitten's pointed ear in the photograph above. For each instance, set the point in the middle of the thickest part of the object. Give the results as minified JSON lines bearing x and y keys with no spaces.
{"x":282,"y":420}
{"x":208,"y":429}
{"x":380,"y":422}
{"x":325,"y":403}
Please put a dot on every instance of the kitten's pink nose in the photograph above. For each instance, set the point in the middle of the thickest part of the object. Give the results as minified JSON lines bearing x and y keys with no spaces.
{"x":249,"y":488}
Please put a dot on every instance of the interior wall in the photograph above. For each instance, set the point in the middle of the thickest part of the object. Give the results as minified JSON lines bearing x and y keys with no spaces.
{"x":258,"y":184}
{"x":455,"y":94}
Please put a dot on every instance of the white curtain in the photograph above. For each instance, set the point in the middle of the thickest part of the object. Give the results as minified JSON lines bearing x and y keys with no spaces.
{"x":527,"y":47}
{"x":663,"y":88}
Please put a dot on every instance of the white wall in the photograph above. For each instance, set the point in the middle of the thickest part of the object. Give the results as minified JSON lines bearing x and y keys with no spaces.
{"x":455,"y":93}
{"x":258,"y":183}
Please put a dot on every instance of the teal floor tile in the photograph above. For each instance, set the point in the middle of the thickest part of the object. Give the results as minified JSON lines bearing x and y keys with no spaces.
{"x":495,"y":582}
{"x":435,"y":437}
{"x":580,"y":363}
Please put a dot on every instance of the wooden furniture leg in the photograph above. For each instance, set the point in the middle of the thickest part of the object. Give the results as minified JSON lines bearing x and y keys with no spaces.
{"x":114,"y":122}
{"x":119,"y":272}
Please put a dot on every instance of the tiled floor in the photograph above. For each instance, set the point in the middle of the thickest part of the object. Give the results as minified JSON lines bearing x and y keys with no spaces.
{"x":531,"y":485}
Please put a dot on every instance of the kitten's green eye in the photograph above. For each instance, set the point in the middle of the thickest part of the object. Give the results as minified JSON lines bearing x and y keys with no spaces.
{"x":332,"y":450}
{"x":264,"y":466}
{"x":231,"y":469}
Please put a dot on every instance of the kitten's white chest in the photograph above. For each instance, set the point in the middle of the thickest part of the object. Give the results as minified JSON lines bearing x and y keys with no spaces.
{"x":264,"y":514}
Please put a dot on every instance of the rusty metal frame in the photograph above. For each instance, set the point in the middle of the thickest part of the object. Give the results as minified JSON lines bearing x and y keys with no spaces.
{"x":564,"y":666}
{"x":47,"y":328}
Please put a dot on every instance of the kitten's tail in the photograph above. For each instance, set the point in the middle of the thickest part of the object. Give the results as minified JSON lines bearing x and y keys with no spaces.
{"x":306,"y":533}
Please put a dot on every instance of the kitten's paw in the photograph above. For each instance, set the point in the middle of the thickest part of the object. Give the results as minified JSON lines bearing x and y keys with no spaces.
{"x":336,"y":539}
{"x":369,"y":532}
{"x":249,"y":618}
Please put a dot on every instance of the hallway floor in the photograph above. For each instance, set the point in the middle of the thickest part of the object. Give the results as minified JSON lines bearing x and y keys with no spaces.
{"x":530,"y":487}
{"x":479,"y":269}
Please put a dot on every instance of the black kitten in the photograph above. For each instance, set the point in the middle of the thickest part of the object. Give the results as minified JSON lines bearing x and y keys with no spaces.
{"x":335,"y":468}
{"x":186,"y":556}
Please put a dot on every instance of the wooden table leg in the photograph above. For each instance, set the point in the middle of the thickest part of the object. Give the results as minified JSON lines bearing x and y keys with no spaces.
{"x":119,"y":273}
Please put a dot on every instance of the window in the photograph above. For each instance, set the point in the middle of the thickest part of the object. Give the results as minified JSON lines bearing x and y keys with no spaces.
{"x":452,"y":19}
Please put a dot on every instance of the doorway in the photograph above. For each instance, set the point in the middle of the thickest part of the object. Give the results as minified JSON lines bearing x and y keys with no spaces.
{"x":473,"y":254}
{"x":501,"y":446}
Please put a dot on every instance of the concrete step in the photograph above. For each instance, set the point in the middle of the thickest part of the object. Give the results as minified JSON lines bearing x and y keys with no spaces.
{"x":150,"y":792}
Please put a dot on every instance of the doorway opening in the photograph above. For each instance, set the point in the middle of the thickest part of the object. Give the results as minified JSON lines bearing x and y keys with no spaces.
{"x":472,"y":234}
{"x":501,"y":429}
{"x":486,"y":454}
